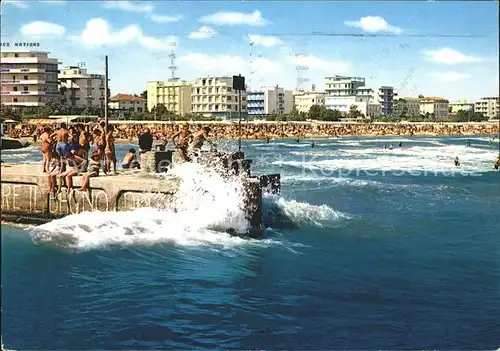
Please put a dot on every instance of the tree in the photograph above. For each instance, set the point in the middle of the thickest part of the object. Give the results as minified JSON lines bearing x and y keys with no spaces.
{"x":314,"y":112}
{"x":144,"y":94}
{"x":354,"y":112}
{"x":329,"y":115}
{"x":7,"y":112}
{"x":466,"y":116}
{"x":420,"y":96}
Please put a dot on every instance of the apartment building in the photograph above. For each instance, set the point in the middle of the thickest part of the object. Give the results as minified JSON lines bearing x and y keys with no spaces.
{"x":461,"y":105}
{"x":408,"y":107}
{"x":269,"y":101}
{"x":125,"y":103}
{"x":304,"y":101}
{"x":175,"y":95}
{"x":488,"y":106}
{"x":343,"y":105}
{"x":436,"y":106}
{"x":342,"y":86}
{"x":215,"y":96}
{"x":29,"y":78}
{"x":79,"y":89}
{"x":385,"y":96}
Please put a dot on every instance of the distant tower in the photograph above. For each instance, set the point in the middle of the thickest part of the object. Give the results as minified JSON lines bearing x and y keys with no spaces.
{"x":172,"y":66}
{"x":301,"y":70}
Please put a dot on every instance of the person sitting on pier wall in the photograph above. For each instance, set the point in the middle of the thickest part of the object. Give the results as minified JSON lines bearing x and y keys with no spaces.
{"x":47,"y":147}
{"x":181,"y":144}
{"x":110,"y":150}
{"x":74,"y":164}
{"x":130,"y":160}
{"x":199,"y":139}
{"x":145,"y":141}
{"x":94,"y":167}
{"x":55,"y":169}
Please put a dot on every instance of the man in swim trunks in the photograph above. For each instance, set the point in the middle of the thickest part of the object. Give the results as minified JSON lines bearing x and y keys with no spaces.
{"x":199,"y":138}
{"x":181,"y":144}
{"x":62,"y":138}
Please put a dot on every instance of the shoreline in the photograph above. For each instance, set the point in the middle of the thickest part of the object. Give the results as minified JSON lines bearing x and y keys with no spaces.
{"x":128,"y":132}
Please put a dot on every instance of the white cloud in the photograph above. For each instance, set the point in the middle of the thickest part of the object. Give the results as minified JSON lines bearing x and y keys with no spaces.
{"x":233,"y":18}
{"x":313,"y":62}
{"x":264,"y":40}
{"x":128,"y":6}
{"x":449,"y":77}
{"x":203,"y":33}
{"x":166,"y":19}
{"x":228,"y":64}
{"x":42,"y":29}
{"x":449,"y":56}
{"x":17,"y":3}
{"x":373,"y":24}
{"x":97,"y":32}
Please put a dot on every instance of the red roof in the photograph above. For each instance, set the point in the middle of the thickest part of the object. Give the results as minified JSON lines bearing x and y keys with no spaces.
{"x":126,"y":97}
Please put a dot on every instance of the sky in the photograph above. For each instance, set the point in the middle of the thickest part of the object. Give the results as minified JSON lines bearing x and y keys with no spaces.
{"x":434,"y":48}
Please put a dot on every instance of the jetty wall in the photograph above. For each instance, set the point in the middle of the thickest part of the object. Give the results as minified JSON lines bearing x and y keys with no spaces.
{"x":25,"y":199}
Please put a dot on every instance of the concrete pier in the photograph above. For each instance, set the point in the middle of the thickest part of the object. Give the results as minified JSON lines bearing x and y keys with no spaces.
{"x":25,"y":198}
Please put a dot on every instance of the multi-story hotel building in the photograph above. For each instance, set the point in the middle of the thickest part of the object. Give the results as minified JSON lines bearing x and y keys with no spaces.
{"x":215,"y":96}
{"x":488,"y":106}
{"x":436,"y":106}
{"x":304,"y":101}
{"x":29,"y":78}
{"x":461,"y":105}
{"x":385,"y":97}
{"x":341,"y":86}
{"x":80,"y":89}
{"x":175,"y":95}
{"x":269,"y":101}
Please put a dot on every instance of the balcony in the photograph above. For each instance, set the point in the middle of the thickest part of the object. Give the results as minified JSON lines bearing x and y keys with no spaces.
{"x":17,"y":93}
{"x":29,"y":81}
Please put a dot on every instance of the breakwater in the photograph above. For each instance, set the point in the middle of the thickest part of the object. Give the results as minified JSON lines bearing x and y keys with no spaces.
{"x":252,"y":130}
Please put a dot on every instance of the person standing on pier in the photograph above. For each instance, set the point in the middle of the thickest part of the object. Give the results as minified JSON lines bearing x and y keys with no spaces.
{"x":183,"y":137}
{"x":110,"y":151}
{"x":62,"y":138}
{"x":47,"y":147}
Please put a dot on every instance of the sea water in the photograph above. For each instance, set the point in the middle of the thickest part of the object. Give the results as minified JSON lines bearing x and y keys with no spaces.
{"x":366,"y":248}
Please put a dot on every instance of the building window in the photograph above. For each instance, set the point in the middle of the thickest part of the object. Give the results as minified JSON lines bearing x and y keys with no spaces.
{"x":16,"y":55}
{"x":25,"y":77}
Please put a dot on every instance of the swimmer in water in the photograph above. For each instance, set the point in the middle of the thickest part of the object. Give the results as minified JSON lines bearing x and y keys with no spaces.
{"x":497,"y":163}
{"x":400,"y":144}
{"x":313,"y":144}
{"x":457,"y":161}
{"x":391,"y":147}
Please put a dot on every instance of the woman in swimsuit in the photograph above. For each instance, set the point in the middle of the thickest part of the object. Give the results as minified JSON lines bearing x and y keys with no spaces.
{"x":47,"y":147}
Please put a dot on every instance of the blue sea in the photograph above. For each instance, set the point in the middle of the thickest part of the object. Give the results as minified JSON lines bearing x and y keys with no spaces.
{"x":366,"y":248}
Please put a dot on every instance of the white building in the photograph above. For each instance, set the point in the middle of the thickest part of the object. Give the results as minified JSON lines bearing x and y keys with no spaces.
{"x":342,"y":86}
{"x":175,"y":95}
{"x":29,"y":78}
{"x":488,"y":106}
{"x":125,"y":103}
{"x":215,"y":96}
{"x":269,"y":101}
{"x":436,"y":106}
{"x":304,"y":101}
{"x":80,"y":89}
{"x":461,"y":105}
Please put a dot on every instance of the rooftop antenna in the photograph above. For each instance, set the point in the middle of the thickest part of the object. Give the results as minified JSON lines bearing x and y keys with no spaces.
{"x":301,"y":69}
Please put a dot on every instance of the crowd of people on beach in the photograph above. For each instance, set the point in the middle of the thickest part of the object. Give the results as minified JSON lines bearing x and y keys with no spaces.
{"x":251,"y":130}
